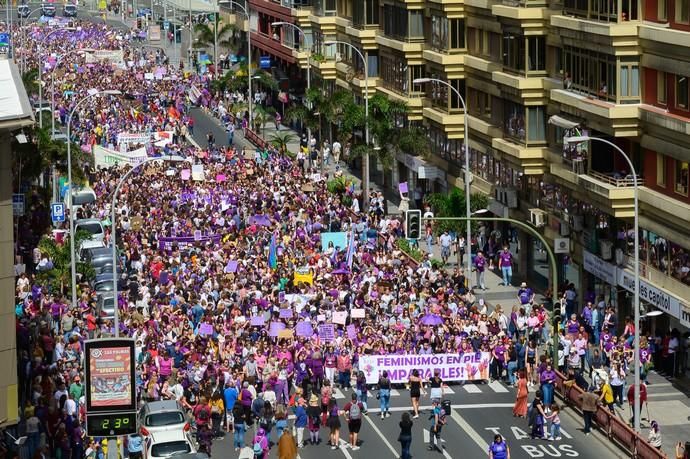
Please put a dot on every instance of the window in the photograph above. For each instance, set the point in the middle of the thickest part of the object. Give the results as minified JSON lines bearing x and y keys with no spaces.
{"x":682,"y":92}
{"x":514,"y":120}
{"x":457,"y":33}
{"x":479,"y":103}
{"x":661,"y":87}
{"x":591,"y":72}
{"x":662,"y":10}
{"x":439,"y":32}
{"x":398,"y":76}
{"x":630,"y":81}
{"x":365,"y":12}
{"x":536,"y":53}
{"x":395,"y":21}
{"x":416,"y":23}
{"x":683,"y":11}
{"x":443,"y":97}
{"x":682,"y":177}
{"x":661,"y":170}
{"x":514,"y":52}
{"x":536,"y":124}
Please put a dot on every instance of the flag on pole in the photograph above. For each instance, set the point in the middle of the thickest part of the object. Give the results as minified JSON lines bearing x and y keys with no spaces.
{"x":351,"y":249}
{"x":273,"y":253}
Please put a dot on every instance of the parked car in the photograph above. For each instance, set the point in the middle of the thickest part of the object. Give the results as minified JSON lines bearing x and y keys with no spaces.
{"x":48,"y":10}
{"x":86,"y":246}
{"x":161,"y":416}
{"x":105,"y":305}
{"x":80,"y":197}
{"x":168,"y":443}
{"x":91,"y":225}
{"x":98,"y":258}
{"x":23,"y":11}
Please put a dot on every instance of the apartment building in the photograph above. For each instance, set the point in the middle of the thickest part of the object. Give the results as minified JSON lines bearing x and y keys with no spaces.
{"x":532,"y":72}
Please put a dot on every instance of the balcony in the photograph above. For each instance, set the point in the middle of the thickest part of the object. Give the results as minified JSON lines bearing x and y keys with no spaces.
{"x":521,"y":10}
{"x":665,"y":35}
{"x":586,"y":27}
{"x":660,"y":117}
{"x":325,"y":67}
{"x":400,"y":44}
{"x":365,"y":34}
{"x":413,"y":100}
{"x":443,"y":58}
{"x":532,"y":159}
{"x":621,"y":118}
{"x":481,"y":64}
{"x":268,"y":44}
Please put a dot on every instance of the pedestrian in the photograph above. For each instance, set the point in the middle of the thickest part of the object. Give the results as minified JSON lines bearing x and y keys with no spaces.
{"x":287,"y":448}
{"x":334,"y":424}
{"x":536,"y":416}
{"x":631,"y":399}
{"x":438,"y":420}
{"x":353,"y":412}
{"x":655,"y":435}
{"x":547,"y":379}
{"x":480,"y":268}
{"x":385,"y":394}
{"x":361,"y":390}
{"x":555,"y":422}
{"x":683,"y":452}
{"x":135,"y":446}
{"x":520,"y":407}
{"x":415,"y":391}
{"x":588,"y":402}
{"x":445,"y":241}
{"x":405,"y":435}
{"x":606,"y":396}
{"x":301,"y":420}
{"x":436,"y":386}
{"x":204,"y":436}
{"x":261,"y":445}
{"x":505,"y":262}
{"x":314,"y":419}
{"x":217,"y":410}
{"x":239,"y":426}
{"x":499,"y":449}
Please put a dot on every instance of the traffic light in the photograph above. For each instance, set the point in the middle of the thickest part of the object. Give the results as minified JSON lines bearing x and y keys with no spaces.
{"x":557,"y":317}
{"x":413,"y":220}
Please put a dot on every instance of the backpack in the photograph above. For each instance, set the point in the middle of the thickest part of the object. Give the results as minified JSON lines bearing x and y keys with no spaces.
{"x":442,"y":417}
{"x":258,"y":449}
{"x":355,"y":411}
{"x":203,"y":414}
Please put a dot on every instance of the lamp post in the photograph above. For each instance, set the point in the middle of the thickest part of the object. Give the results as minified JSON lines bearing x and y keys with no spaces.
{"x":304,"y":37}
{"x":40,"y":73}
{"x":23,"y":35}
{"x":636,"y":338}
{"x":73,"y":260}
{"x":113,"y":242}
{"x":52,"y":84}
{"x":468,"y":175}
{"x":365,"y":172}
{"x":552,"y":259}
{"x":249,"y":57}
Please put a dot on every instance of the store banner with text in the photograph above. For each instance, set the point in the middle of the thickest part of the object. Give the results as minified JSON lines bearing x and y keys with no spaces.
{"x":110,"y":375}
{"x":104,"y":157}
{"x":452,"y":367}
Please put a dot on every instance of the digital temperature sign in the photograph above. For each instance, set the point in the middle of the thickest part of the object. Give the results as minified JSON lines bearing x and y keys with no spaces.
{"x":111,"y":424}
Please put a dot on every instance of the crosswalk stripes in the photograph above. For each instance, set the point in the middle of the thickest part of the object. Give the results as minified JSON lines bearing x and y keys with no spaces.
{"x":469,"y":388}
{"x":497,"y":387}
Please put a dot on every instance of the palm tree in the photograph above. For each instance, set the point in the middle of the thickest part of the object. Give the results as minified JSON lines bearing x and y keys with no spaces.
{"x":280,"y":140}
{"x":30,"y":80}
{"x":59,"y":276}
{"x":206,"y":35}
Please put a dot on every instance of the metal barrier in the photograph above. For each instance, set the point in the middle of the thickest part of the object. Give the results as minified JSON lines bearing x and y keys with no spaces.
{"x":254,"y":138}
{"x":613,"y":427}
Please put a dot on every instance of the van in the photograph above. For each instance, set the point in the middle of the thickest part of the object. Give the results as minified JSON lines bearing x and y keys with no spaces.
{"x":92,"y":226}
{"x":69,"y":11}
{"x":48,"y":10}
{"x":80,"y":198}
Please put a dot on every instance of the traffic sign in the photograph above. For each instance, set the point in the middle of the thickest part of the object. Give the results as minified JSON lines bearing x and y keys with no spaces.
{"x":18,"y":206}
{"x":166,"y":25}
{"x":57,"y":212}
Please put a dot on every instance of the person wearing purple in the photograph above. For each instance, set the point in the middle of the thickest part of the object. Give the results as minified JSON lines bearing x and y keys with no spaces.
{"x":315,"y":365}
{"x":547,"y":379}
{"x":505,"y":262}
{"x":480,"y":267}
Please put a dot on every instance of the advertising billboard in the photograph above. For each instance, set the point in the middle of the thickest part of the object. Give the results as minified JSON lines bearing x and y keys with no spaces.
{"x":109,"y":375}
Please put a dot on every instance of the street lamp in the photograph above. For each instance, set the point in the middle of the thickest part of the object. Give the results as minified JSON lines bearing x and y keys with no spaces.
{"x":249,"y":56}
{"x":636,"y":338}
{"x":365,"y":172}
{"x":468,"y":175}
{"x":52,"y":84}
{"x":73,"y":259}
{"x":304,"y":37}
{"x":23,"y":34}
{"x":40,"y":72}
{"x":113,"y":227}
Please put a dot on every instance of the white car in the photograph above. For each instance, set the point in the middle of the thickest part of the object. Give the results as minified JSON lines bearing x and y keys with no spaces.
{"x":159,"y":445}
{"x":92,"y":226}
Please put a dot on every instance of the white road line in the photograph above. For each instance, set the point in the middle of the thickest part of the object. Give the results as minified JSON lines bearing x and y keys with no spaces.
{"x":338,"y":394}
{"x":565,"y":434}
{"x":395,"y":393}
{"x":473,"y":434}
{"x":448,"y":391}
{"x":427,"y":438}
{"x":472,"y":389}
{"x":399,"y":409}
{"x":342,"y":446}
{"x":497,"y":387}
{"x":396,"y":453}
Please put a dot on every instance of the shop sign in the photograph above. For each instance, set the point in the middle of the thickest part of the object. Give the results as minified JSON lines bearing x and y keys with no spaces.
{"x":600,"y":268}
{"x":685,"y":316}
{"x":652,"y":295}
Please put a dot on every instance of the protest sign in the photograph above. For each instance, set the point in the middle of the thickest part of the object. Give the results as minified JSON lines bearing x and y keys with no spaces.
{"x":206,"y":329}
{"x":185,"y":174}
{"x":357,"y":313}
{"x":304,"y":329}
{"x":339,"y":317}
{"x":285,"y":313}
{"x":198,"y":172}
{"x":286,"y":334}
{"x":326,"y":332}
{"x":453,"y":367}
{"x":257,"y":321}
{"x":275,"y":329}
{"x":351,"y":331}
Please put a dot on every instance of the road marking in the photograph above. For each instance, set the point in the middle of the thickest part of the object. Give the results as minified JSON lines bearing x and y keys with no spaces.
{"x":448,"y":391}
{"x":400,"y":409}
{"x":473,"y":434}
{"x":497,"y":387}
{"x":427,"y":436}
{"x":427,"y":439}
{"x":383,"y":437}
{"x":472,"y":389}
{"x":395,"y":393}
{"x":337,"y":393}
{"x":342,"y":446}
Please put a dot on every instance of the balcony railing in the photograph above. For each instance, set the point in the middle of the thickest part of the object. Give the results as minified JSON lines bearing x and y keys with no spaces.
{"x":524,"y":3}
{"x":622,"y":182}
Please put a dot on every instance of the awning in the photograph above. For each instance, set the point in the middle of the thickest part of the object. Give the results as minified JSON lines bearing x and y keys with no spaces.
{"x":562,"y":122}
{"x":423,"y":169}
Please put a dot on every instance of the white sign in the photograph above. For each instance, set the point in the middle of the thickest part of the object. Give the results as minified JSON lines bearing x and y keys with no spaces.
{"x":561,"y":245}
{"x":453,"y":367}
{"x":600,"y":268}
{"x":133,"y":137}
{"x":103,"y":157}
{"x":652,"y":295}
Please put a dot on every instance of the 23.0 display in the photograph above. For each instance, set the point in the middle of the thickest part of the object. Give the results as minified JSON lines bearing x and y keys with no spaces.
{"x":111,"y":424}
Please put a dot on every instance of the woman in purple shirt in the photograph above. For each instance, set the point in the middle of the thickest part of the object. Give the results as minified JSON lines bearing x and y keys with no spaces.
{"x":547,"y":379}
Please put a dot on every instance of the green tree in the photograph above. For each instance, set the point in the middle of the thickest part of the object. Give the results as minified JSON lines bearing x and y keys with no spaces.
{"x":59,"y":277}
{"x":30,"y":80}
{"x":281,"y":139}
{"x":206,"y":35}
{"x":453,"y":205}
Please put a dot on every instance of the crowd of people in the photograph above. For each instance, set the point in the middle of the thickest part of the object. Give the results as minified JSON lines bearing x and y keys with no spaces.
{"x":227,"y":285}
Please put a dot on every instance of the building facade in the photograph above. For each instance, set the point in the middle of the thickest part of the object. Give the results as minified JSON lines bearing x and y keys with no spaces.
{"x":533,"y":72}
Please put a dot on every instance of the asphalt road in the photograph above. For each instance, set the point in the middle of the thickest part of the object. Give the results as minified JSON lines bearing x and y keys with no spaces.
{"x":479,"y":411}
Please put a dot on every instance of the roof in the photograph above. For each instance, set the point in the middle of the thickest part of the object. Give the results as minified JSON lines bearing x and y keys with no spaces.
{"x":15,"y":108}
{"x":197,"y":6}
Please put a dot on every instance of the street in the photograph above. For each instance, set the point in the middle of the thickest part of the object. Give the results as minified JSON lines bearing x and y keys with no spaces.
{"x":479,"y":412}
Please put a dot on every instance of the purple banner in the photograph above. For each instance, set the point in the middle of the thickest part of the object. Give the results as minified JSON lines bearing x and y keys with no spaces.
{"x":166,"y":243}
{"x":206,"y":329}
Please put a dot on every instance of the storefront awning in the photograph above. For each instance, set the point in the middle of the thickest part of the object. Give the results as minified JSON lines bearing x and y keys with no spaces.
{"x":421,"y":167}
{"x":563,"y":122}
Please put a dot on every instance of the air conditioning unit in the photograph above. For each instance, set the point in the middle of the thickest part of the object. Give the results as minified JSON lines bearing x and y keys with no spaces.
{"x":511,"y":198}
{"x":578,"y":222}
{"x":564,"y":229}
{"x":537,"y":217}
{"x":606,"y":249}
